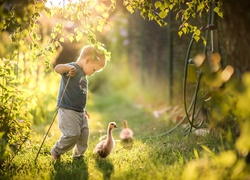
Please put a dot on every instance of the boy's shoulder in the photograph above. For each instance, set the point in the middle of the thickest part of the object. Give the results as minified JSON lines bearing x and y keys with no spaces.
{"x":71,"y":63}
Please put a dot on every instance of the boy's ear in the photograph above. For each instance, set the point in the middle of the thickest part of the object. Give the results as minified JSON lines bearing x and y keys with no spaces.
{"x":87,"y":60}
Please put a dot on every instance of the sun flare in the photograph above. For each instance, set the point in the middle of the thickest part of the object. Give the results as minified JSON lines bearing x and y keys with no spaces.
{"x":54,"y":3}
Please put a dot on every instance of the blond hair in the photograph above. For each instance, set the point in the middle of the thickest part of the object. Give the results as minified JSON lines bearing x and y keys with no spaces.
{"x":91,"y":51}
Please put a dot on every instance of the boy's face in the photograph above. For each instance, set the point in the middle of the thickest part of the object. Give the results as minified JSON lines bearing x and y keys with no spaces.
{"x":90,"y":67}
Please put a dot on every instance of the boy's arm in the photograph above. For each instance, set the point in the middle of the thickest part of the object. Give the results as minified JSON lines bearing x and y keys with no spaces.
{"x":65,"y":68}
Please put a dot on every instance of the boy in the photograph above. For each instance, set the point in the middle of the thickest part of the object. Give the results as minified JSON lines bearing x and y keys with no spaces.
{"x":72,"y":118}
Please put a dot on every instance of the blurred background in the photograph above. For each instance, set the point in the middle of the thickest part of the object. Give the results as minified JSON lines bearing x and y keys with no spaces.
{"x":146,"y":65}
{"x":144,"y":56}
{"x":147,"y":61}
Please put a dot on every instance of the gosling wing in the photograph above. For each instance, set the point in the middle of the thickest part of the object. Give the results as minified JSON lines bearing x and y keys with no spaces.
{"x":101,"y":149}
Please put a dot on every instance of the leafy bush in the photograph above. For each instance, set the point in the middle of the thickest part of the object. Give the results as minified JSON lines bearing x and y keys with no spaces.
{"x":14,"y":126}
{"x":230,"y":114}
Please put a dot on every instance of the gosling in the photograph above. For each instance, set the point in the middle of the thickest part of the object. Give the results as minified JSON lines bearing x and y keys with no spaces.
{"x":104,"y":148}
{"x":126,"y":135}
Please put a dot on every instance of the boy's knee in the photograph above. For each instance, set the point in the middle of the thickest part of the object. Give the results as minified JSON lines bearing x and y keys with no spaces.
{"x":73,"y":136}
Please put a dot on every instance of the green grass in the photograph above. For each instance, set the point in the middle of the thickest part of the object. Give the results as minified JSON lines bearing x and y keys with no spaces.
{"x":148,"y":158}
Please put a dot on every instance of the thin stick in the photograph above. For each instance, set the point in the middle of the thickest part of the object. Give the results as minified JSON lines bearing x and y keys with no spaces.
{"x":52,"y":120}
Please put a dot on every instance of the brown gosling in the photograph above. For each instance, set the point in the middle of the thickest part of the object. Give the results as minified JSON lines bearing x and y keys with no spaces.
{"x":104,"y":148}
{"x":126,"y":134}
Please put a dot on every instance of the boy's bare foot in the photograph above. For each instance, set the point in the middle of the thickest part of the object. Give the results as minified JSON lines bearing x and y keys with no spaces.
{"x":55,"y":157}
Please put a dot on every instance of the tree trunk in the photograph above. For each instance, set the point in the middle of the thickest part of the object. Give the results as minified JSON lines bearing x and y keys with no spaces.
{"x":236,"y":28}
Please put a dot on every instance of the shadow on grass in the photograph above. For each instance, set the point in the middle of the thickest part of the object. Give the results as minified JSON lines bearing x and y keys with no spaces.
{"x":127,"y":144}
{"x":106,"y":167}
{"x":77,"y":169}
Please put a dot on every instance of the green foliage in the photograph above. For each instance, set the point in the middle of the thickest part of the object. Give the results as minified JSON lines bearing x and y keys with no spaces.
{"x":225,"y":110}
{"x":186,"y":13}
{"x":14,"y":127}
{"x":19,"y":14}
{"x":242,"y":114}
{"x":149,"y":10}
{"x":26,"y":54}
{"x":19,"y":72}
{"x":196,"y":10}
{"x":90,"y":19}
{"x":227,"y":104}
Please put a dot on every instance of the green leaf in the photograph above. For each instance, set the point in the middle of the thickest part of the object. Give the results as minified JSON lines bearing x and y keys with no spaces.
{"x":79,"y":36}
{"x":39,"y":37}
{"x":53,"y":35}
{"x":226,"y":159}
{"x":99,"y":28}
{"x":171,"y":6}
{"x":163,"y":14}
{"x":207,"y":149}
{"x":130,"y":9}
{"x":57,"y":44}
{"x":196,"y":38}
{"x":61,"y":39}
{"x":21,"y":42}
{"x":200,"y":6}
{"x":158,"y":4}
{"x":197,"y":32}
{"x":125,"y":2}
{"x":184,"y":29}
{"x":180,"y":33}
{"x":150,"y":16}
{"x":71,"y":37}
{"x":217,"y":10}
{"x":196,"y":154}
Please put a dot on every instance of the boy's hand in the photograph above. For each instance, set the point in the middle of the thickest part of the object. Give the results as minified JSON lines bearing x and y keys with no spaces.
{"x":87,"y":114}
{"x":72,"y":71}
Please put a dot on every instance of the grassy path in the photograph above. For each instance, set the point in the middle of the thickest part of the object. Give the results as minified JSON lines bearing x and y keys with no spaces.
{"x":149,"y":158}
